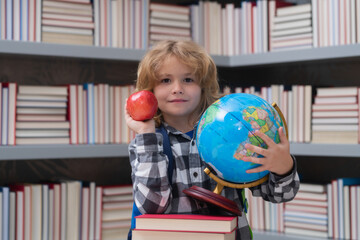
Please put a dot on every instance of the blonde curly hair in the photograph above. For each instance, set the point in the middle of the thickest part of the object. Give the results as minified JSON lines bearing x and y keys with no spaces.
{"x":190,"y":54}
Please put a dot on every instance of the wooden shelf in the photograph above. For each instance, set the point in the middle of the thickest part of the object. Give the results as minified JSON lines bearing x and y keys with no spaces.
{"x":121,"y":54}
{"x":281,"y":236}
{"x":329,"y":150}
{"x":29,"y":152}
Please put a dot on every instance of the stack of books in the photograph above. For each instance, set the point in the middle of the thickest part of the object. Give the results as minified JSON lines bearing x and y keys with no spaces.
{"x":8,"y":109}
{"x":67,"y":22}
{"x":344,"y":221}
{"x":41,"y":115}
{"x":264,"y":215}
{"x":169,"y":22}
{"x":335,"y":115}
{"x":291,"y":27}
{"x":179,"y":227}
{"x":307,"y":213}
{"x":117,"y":202}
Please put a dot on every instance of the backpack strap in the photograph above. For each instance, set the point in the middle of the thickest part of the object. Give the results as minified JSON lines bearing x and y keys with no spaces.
{"x":170,"y":170}
{"x":245,"y":205}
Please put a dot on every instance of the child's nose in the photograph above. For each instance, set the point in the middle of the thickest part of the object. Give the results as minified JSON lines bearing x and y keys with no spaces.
{"x":177,"y":88}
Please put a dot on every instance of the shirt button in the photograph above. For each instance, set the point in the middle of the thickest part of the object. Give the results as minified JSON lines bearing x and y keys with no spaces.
{"x":193,"y":143}
{"x":195,"y":174}
{"x":160,"y":143}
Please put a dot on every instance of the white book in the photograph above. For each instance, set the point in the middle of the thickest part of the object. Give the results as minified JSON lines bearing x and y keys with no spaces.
{"x":70,"y":5}
{"x":5,"y":116}
{"x":5,"y":211}
{"x":336,"y":91}
{"x":16,"y":20}
{"x":96,"y":23}
{"x":289,"y":25}
{"x":73,"y":208}
{"x":339,"y":120}
{"x":335,"y":114}
{"x":92,"y":210}
{"x":57,"y":212}
{"x":337,"y":107}
{"x":170,"y":23}
{"x":38,"y":21}
{"x":169,"y":8}
{"x":42,"y":125}
{"x":51,"y":214}
{"x":45,"y":211}
{"x":314,"y":18}
{"x":1,"y":214}
{"x":295,"y":9}
{"x":353,"y":212}
{"x":307,"y":112}
{"x":73,"y":113}
{"x":358,"y":211}
{"x":310,"y":187}
{"x":330,"y":211}
{"x":85,"y":204}
{"x":292,"y":31}
{"x":335,"y":100}
{"x":310,"y":233}
{"x":169,"y":15}
{"x":19,"y":215}
{"x":346,"y":221}
{"x":36,"y":211}
{"x":43,"y":90}
{"x":295,"y":17}
{"x":3,"y":16}
{"x":335,"y":127}
{"x":63,"y":211}
{"x":98,"y":212}
{"x":12,"y":113}
{"x":67,"y":17}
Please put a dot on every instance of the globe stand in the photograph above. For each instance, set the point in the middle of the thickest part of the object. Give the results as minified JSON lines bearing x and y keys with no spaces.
{"x":214,"y":198}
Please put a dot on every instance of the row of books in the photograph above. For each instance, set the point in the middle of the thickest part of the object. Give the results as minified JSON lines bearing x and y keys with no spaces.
{"x":290,"y":27}
{"x":97,"y":114}
{"x":230,"y":29}
{"x":319,"y":115}
{"x":318,"y":210}
{"x":65,"y":210}
{"x":335,"y":115}
{"x":20,"y":20}
{"x":336,"y":22}
{"x":166,"y":25}
{"x":94,"y":113}
{"x":74,"y":114}
{"x":121,"y":23}
{"x":67,"y":22}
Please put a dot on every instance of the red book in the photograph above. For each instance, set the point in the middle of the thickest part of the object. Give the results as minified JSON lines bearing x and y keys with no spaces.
{"x":186,"y":223}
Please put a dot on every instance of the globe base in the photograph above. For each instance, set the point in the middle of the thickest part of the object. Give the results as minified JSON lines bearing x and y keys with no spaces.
{"x":217,"y":200}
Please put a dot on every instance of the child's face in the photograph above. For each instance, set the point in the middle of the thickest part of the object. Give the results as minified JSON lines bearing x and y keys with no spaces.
{"x":177,"y":90}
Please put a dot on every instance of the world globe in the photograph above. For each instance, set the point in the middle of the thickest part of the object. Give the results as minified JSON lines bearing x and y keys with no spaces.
{"x":224,"y":129}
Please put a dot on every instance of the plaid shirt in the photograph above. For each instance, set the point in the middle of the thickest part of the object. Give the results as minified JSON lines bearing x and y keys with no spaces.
{"x":154,"y":194}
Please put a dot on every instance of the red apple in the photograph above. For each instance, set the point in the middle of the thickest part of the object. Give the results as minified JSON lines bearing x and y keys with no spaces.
{"x":142,"y":105}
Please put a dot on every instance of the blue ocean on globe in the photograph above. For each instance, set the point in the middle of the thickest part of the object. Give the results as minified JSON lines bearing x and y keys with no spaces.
{"x":227,"y":125}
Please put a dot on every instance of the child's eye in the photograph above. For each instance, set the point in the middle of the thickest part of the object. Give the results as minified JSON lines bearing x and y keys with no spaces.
{"x":165,"y":80}
{"x":188,"y":80}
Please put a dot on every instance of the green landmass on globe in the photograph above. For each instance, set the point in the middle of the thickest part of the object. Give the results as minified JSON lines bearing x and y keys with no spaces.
{"x":227,"y":125}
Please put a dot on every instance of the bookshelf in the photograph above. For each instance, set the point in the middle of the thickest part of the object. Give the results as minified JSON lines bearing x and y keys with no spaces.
{"x":228,"y":67}
{"x":317,"y":66}
{"x":29,"y":152}
{"x":121,"y":54}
